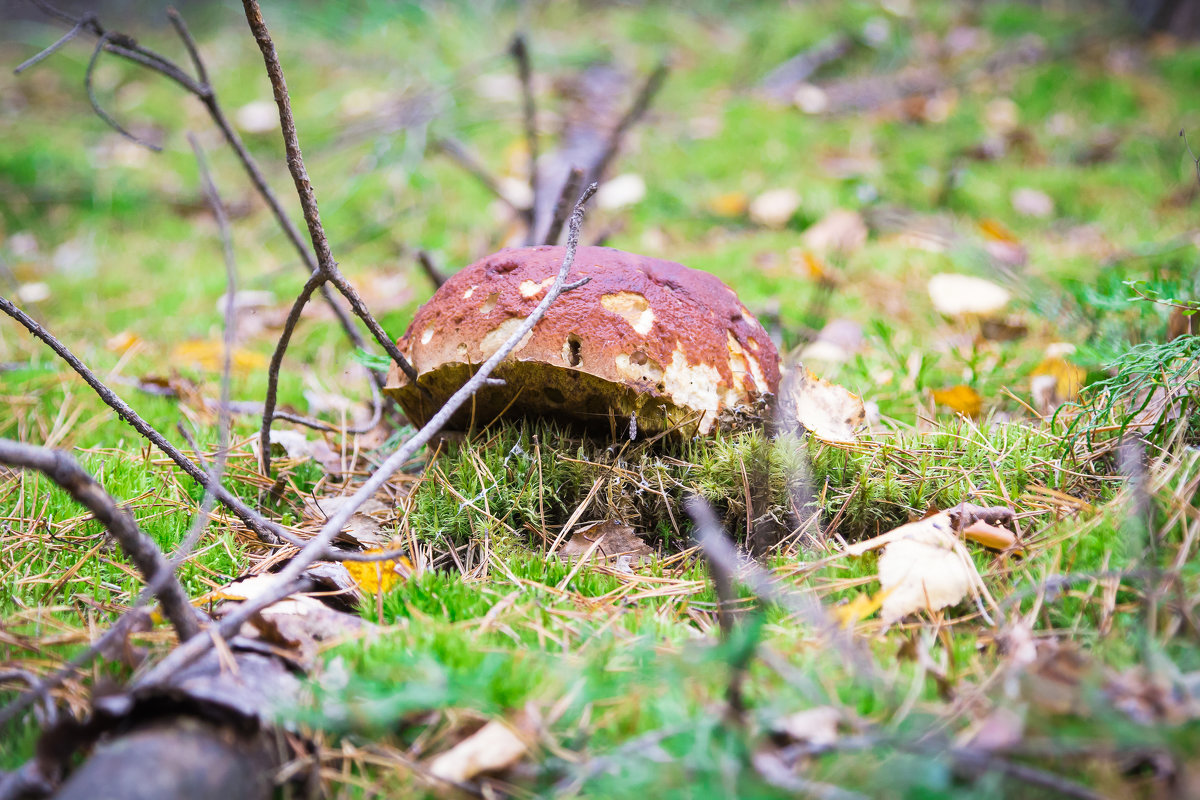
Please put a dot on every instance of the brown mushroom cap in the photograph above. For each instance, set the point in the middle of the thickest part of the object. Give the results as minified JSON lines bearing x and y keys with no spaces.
{"x":643,"y":336}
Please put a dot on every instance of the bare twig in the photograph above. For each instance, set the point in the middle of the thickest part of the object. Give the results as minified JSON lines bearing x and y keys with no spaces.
{"x":119,"y":630}
{"x":520,"y":52}
{"x":125,"y":46}
{"x":641,"y":104}
{"x":457,"y":152}
{"x":59,"y":467}
{"x":304,"y":189}
{"x":255,"y":521}
{"x":563,"y":206}
{"x":719,"y":549}
{"x":431,"y":269}
{"x":224,"y":418}
{"x":54,"y":48}
{"x":319,"y":544}
{"x":264,"y":439}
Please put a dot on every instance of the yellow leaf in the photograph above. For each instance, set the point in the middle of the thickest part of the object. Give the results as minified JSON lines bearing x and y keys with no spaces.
{"x":996,"y":232}
{"x":962,"y":399}
{"x":861,"y":607}
{"x":208,"y":355}
{"x":730,"y":204}
{"x":123,"y":342}
{"x":378,"y":576}
{"x":1068,"y":377}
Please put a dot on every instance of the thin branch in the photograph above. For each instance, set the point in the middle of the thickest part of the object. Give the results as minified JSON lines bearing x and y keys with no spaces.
{"x":127,"y":48}
{"x":253,"y":519}
{"x":54,"y":48}
{"x":431,"y":269}
{"x":562,"y":207}
{"x":119,"y":630}
{"x":520,"y":52}
{"x":304,"y":190}
{"x":189,"y":44}
{"x":59,"y":467}
{"x":224,"y":418}
{"x":719,"y":549}
{"x":636,"y":111}
{"x":319,"y":544}
{"x":100,"y":112}
{"x":289,"y":325}
{"x":457,"y":152}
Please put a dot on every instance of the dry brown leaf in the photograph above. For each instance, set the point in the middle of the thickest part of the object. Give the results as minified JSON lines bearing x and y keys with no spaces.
{"x":492,"y":748}
{"x":992,"y":536}
{"x":826,"y":410}
{"x":924,"y":567}
{"x":960,"y":295}
{"x":841,"y":230}
{"x":962,"y":399}
{"x":615,"y":539}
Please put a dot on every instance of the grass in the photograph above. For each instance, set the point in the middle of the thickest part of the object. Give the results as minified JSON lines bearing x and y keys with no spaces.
{"x":625,"y":672}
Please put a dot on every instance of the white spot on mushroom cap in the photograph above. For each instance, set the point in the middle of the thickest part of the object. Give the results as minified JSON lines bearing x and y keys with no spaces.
{"x":530,"y":288}
{"x":427,"y":334}
{"x":696,"y":386}
{"x":499,"y":335}
{"x":631,"y":307}
{"x":490,"y":303}
{"x":742,"y":364}
{"x":467,"y":294}
{"x":630,"y":370}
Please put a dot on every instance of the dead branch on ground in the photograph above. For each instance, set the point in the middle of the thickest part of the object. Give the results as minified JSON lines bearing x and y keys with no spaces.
{"x":319,"y":544}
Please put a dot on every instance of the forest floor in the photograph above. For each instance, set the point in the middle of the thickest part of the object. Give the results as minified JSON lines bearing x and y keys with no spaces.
{"x":1035,"y":150}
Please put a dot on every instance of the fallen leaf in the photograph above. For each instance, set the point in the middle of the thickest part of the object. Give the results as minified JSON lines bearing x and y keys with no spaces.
{"x":209,"y":356}
{"x":817,"y":727}
{"x":775,"y":208}
{"x":298,"y":446}
{"x":621,"y":192}
{"x":257,"y":116}
{"x":36,"y":292}
{"x":840,"y":230}
{"x":959,"y":295}
{"x":965,"y":514}
{"x":492,"y":748}
{"x":379,"y":576}
{"x":962,"y":399}
{"x":615,"y":540}
{"x":998,"y":732}
{"x":861,"y":607}
{"x":362,"y":529}
{"x":729,"y":204}
{"x":826,"y":410}
{"x":1032,"y":203}
{"x":123,"y":342}
{"x":1068,"y":378}
{"x":807,"y":265}
{"x":811,"y":99}
{"x":1001,"y":116}
{"x":837,"y":341}
{"x":992,"y":536}
{"x":924,"y":567}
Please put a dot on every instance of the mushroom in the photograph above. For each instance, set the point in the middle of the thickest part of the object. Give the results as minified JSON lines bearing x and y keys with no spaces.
{"x":643,"y":337}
